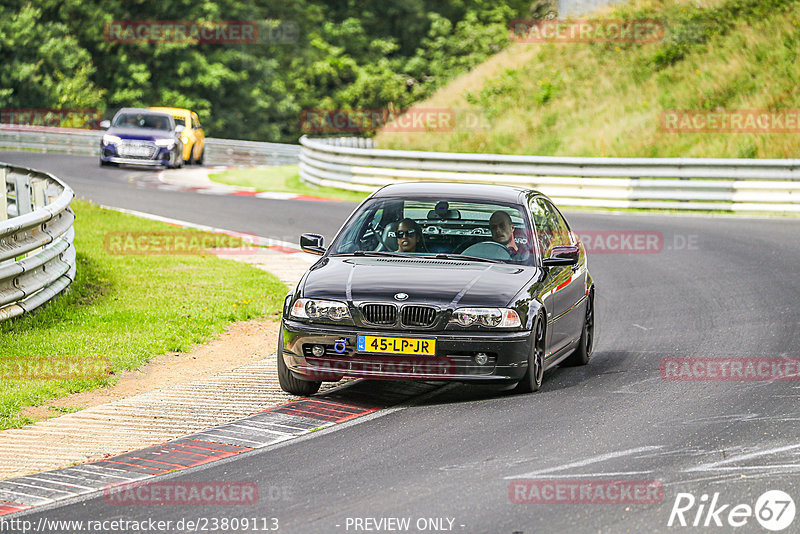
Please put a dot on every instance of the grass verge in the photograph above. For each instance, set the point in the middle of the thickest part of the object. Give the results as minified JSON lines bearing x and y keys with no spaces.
{"x":283,"y":179}
{"x":127,"y":309}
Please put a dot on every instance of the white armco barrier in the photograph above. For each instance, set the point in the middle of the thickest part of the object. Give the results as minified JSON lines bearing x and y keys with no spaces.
{"x":37,"y":258}
{"x":87,"y":143}
{"x":762,"y":185}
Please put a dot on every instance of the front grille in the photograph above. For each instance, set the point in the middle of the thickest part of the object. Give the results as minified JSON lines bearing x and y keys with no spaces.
{"x":137,"y":150}
{"x":379,"y":313}
{"x":418,"y":316}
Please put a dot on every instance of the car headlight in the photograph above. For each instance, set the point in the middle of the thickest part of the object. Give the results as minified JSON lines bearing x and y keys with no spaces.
{"x":111,"y":139}
{"x":491,"y":317}
{"x":169,"y":143}
{"x":185,"y":139}
{"x":320,"y":309}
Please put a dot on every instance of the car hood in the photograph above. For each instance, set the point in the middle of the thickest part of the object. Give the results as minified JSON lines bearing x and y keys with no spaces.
{"x":440,"y":282}
{"x":147,"y":134}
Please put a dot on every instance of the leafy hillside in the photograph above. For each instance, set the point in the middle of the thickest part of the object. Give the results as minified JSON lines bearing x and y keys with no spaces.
{"x":609,"y":99}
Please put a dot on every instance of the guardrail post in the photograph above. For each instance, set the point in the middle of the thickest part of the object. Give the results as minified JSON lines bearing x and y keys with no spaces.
{"x":22,"y":188}
{"x":3,"y":194}
{"x":38,"y":195}
{"x":39,"y":201}
{"x":51,"y":192}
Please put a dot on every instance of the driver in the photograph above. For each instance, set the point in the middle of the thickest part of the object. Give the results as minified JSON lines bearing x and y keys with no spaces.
{"x":409,"y":235}
{"x":503,"y":231}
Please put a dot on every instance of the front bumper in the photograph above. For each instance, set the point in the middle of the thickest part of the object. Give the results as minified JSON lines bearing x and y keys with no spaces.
{"x":162,"y":156}
{"x":136,"y":161}
{"x":455,"y":351}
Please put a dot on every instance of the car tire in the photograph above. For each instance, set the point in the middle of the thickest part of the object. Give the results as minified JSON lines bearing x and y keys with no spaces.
{"x":532,"y":381}
{"x":582,"y":354}
{"x":178,"y":162}
{"x":103,"y":163}
{"x":290,"y":383}
{"x":202,"y":155}
{"x":191,"y":157}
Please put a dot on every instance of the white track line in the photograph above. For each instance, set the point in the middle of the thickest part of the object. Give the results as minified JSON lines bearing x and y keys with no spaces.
{"x":588,"y":461}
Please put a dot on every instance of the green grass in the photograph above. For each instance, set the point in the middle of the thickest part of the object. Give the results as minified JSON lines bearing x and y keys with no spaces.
{"x":127,"y":309}
{"x":607,"y":99}
{"x":284,"y":179}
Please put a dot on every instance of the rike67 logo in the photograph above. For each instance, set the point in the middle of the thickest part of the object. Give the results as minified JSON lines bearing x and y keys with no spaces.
{"x":774,"y":510}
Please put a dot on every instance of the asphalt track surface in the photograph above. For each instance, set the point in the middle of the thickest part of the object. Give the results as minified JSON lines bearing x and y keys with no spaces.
{"x":136,"y":189}
{"x":720,"y":287}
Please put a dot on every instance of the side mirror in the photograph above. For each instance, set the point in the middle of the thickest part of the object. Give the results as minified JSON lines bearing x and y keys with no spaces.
{"x":179,"y":128}
{"x":312,"y":243}
{"x":105,"y":125}
{"x":562,"y":256}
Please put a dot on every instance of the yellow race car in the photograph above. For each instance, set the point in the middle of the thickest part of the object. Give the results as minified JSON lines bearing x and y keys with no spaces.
{"x":192,"y":136}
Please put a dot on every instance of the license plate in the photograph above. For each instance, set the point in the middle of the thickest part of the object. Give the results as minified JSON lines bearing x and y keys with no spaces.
{"x":397,"y":345}
{"x":136,"y":151}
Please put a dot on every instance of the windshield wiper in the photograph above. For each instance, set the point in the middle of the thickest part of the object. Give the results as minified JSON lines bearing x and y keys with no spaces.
{"x":460,"y":257}
{"x":384,"y":253}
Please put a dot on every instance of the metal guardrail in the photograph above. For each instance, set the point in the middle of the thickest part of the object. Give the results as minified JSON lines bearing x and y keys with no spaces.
{"x":762,"y":185}
{"x":37,"y":257}
{"x":231,"y":152}
{"x":353,"y":163}
{"x":87,"y":142}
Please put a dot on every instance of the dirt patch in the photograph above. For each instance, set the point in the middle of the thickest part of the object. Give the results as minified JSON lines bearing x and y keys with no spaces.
{"x":243,"y":342}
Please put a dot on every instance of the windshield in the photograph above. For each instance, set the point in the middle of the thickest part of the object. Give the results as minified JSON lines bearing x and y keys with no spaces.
{"x":142,"y":120}
{"x":491,"y":231}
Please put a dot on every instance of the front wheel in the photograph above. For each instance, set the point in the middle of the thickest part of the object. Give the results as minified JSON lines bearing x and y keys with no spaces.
{"x":584,"y":351}
{"x":532,"y":381}
{"x":201,"y":156}
{"x":178,"y":163}
{"x":290,"y":383}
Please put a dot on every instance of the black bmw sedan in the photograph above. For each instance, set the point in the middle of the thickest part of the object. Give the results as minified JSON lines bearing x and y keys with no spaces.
{"x":444,"y":281}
